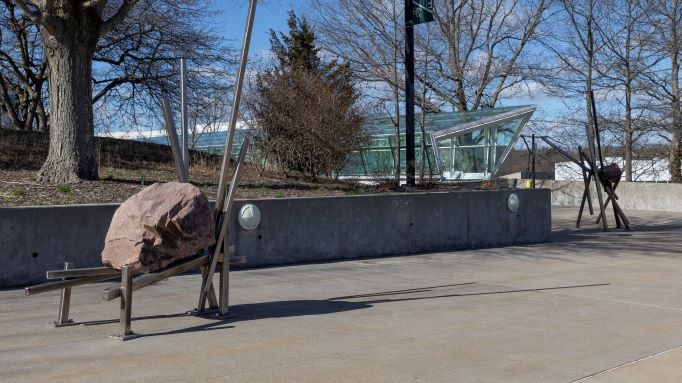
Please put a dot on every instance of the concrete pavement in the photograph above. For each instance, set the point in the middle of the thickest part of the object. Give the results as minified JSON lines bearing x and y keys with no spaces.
{"x":586,"y":307}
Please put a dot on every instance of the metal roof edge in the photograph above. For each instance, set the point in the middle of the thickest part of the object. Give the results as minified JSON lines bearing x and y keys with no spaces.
{"x":510,"y":115}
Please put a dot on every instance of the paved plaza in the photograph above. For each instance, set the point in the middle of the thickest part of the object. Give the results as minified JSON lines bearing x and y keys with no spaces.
{"x":587,"y":306}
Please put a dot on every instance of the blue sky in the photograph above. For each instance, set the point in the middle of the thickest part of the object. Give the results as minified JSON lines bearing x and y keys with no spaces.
{"x":274,"y":14}
{"x":269,"y":15}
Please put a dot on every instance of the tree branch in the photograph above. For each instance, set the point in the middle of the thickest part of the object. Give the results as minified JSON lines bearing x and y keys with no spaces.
{"x":118,"y":17}
{"x":92,"y":4}
{"x":8,"y":105}
{"x":34,"y":17}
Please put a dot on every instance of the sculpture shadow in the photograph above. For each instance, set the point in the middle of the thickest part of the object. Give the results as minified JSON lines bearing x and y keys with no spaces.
{"x":287,"y":309}
{"x":295,"y":308}
{"x":263,"y":310}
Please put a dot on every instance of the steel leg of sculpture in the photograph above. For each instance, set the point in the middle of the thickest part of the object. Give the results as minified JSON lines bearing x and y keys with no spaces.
{"x":64,"y":304}
{"x":224,"y":306}
{"x":212,"y":300}
{"x":126,"y":304}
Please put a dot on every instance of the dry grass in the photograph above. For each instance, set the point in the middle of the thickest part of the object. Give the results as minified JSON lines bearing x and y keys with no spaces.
{"x":126,"y":167}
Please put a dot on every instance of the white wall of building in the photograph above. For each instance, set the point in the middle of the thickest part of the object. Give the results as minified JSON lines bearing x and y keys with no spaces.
{"x":653,"y":170}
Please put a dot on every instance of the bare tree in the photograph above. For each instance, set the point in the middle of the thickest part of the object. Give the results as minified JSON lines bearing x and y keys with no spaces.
{"x":23,"y":71}
{"x":662,"y":80}
{"x":625,"y":36}
{"x":475,"y":55}
{"x":482,"y":50}
{"x":137,"y":44}
{"x":425,"y":103}
{"x":575,"y":50}
{"x":369,"y":36}
{"x":208,"y":113}
{"x":70,"y":31}
{"x":137,"y":62}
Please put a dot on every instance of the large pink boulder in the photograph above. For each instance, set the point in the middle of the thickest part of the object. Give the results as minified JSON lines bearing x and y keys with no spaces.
{"x":158,"y":226}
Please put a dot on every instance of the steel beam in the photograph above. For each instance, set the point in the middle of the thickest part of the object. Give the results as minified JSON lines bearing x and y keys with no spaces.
{"x":58,"y":285}
{"x":207,"y":282}
{"x":85,"y":272}
{"x":234,"y":114}
{"x":173,"y":138}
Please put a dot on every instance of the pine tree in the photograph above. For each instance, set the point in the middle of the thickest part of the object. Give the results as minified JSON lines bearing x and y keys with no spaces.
{"x":297,"y":51}
{"x":306,"y":110}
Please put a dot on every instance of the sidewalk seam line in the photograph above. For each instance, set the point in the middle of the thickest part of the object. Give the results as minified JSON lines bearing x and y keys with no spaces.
{"x":626,"y":364}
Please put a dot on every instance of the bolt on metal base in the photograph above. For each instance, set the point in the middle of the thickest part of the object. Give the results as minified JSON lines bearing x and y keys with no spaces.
{"x":68,"y":323}
{"x":123,"y":337}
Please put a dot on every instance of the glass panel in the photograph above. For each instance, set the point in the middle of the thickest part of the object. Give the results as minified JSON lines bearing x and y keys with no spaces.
{"x":431,"y":164}
{"x":379,"y":162}
{"x":445,"y":153}
{"x":355,"y":165}
{"x":504,"y":135}
{"x":477,"y":137}
{"x":469,"y":160}
{"x":499,"y":151}
{"x":506,"y":131}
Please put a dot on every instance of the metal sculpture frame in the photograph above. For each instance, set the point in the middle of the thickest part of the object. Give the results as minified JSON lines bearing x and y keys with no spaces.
{"x":207,"y":261}
{"x":71,"y":277}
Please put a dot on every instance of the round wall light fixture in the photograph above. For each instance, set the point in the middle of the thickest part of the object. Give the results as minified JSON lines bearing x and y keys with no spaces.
{"x":513,"y":202}
{"x":249,"y":216}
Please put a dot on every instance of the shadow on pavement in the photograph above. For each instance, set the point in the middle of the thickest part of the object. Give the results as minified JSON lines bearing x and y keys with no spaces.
{"x":295,"y":308}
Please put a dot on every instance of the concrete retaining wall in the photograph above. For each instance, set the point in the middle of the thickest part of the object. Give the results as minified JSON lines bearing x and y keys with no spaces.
{"x":36,"y":239}
{"x":631,"y":195}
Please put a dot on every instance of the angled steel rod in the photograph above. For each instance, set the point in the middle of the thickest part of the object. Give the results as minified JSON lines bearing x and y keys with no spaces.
{"x":227,"y":153}
{"x":151,"y":278}
{"x":183,"y":114}
{"x":561,"y":151}
{"x":212,"y":300}
{"x":173,"y":138}
{"x":587,"y":177}
{"x":593,"y":160}
{"x":58,"y":285}
{"x":619,"y":215}
{"x":596,"y":128}
{"x":207,"y":282}
{"x":224,"y":302}
{"x":145,"y":280}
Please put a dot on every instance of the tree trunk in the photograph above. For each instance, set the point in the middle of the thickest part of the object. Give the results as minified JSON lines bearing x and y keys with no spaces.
{"x":675,"y":158}
{"x":629,"y":143}
{"x":676,"y":145}
{"x":7,"y":105}
{"x":396,"y":136}
{"x":41,"y":115}
{"x":69,"y":51}
{"x":396,"y":100}
{"x":629,"y":129}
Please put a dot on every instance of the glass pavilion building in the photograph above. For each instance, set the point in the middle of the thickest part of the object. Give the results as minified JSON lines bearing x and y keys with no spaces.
{"x":459,"y":145}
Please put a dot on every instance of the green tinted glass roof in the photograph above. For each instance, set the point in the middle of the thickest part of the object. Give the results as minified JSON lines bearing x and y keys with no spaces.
{"x":443,"y":121}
